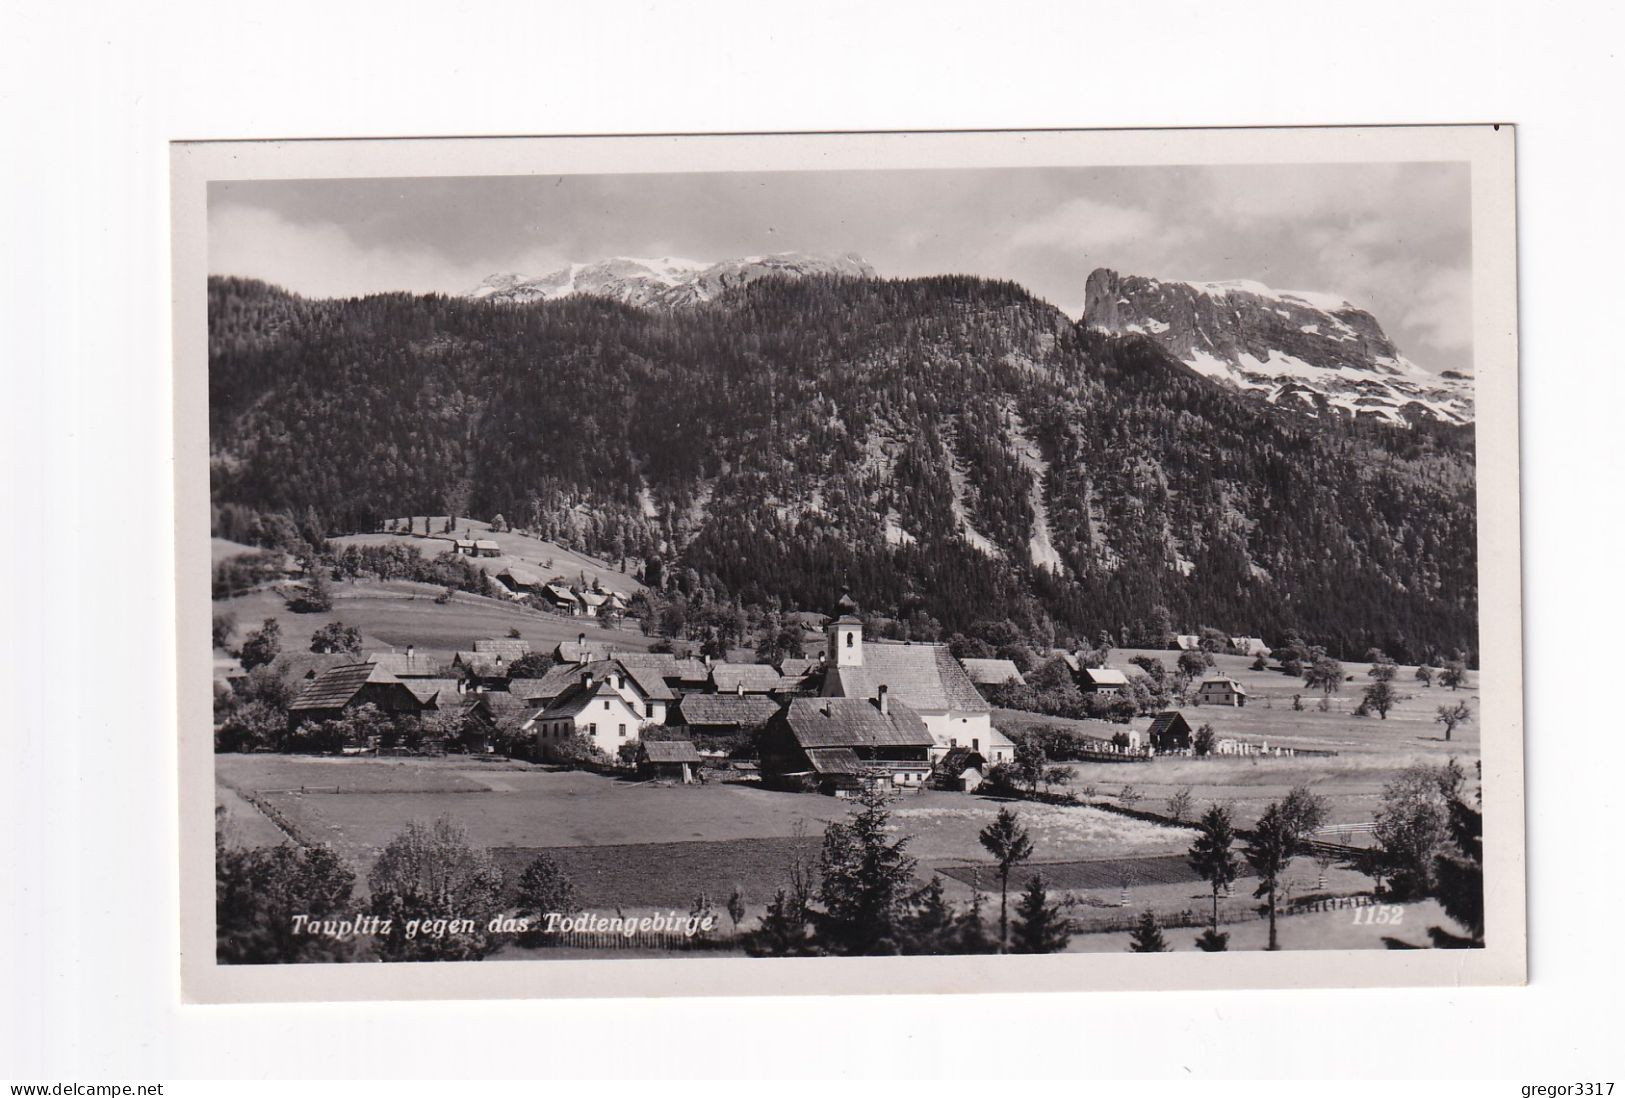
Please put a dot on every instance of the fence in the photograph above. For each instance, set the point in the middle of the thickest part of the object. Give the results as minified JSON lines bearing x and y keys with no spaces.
{"x":642,"y":940}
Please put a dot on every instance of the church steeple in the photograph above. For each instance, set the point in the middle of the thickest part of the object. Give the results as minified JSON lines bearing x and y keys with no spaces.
{"x":846,"y":642}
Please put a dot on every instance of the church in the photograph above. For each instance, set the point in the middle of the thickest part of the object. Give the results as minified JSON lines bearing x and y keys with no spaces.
{"x":925,"y":677}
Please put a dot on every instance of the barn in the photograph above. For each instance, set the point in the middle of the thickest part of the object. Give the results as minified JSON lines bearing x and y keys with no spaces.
{"x":1170,"y":732}
{"x":668,"y":760}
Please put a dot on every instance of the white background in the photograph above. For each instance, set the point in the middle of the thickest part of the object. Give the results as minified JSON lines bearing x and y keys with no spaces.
{"x":90,"y":94}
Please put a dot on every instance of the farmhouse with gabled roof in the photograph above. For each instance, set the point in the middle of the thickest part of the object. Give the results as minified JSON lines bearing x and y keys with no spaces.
{"x":724,"y":714}
{"x":840,"y":745}
{"x":333,"y":692}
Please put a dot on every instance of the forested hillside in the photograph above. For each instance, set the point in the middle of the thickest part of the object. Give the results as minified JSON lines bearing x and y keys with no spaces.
{"x":949,"y":447}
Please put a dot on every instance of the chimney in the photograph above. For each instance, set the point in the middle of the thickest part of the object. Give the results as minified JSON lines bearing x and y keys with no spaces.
{"x":739,"y":688}
{"x":707,"y":662}
{"x":409,"y":654}
{"x":885,"y":710}
{"x":586,"y":679}
{"x":581,"y":648}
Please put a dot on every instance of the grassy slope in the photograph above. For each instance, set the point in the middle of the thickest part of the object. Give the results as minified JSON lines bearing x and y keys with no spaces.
{"x":396,"y":613}
{"x":516,"y":549}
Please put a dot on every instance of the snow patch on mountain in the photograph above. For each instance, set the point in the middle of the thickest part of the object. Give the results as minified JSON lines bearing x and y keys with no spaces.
{"x":1315,"y":352}
{"x":666,"y":282}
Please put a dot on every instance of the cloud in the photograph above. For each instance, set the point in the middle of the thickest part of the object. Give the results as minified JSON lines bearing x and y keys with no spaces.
{"x":1085,"y":224}
{"x":320,"y":259}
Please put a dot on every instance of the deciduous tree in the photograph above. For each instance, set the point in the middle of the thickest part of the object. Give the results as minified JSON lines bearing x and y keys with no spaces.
{"x":1452,"y":716}
{"x":260,"y":891}
{"x":262,"y":646}
{"x":544,"y":888}
{"x":431,"y":879}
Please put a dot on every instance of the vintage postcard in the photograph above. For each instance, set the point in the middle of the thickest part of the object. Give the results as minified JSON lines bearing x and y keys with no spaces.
{"x":848,"y":563}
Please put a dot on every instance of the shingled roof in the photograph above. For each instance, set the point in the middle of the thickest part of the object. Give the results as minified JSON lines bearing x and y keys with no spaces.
{"x":1105,"y":676}
{"x":743,"y":710}
{"x":798,"y":667}
{"x":647,"y":678}
{"x":491,"y":665}
{"x":580,"y":652}
{"x":670,"y":751}
{"x":925,"y":677}
{"x":520,"y":576}
{"x":334,"y":688}
{"x":854,"y":722}
{"x":444,"y":693}
{"x":1165,"y":723}
{"x":509,"y":648}
{"x":992,"y":672}
{"x":405,"y":664}
{"x":752,"y":678}
{"x":577,"y":698}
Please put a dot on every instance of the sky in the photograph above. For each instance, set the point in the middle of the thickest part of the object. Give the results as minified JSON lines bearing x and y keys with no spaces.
{"x":1394,"y":239}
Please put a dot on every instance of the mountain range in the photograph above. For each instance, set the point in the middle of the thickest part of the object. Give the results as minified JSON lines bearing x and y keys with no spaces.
{"x":665,"y":282}
{"x":1315,"y":351}
{"x":946,"y":449}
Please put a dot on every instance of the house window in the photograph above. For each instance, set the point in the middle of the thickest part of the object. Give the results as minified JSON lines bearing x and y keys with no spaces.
{"x":975,"y":745}
{"x":849,"y":640}
{"x":592,"y":729}
{"x":623,"y":731}
{"x":648,"y":709}
{"x":606,"y":703}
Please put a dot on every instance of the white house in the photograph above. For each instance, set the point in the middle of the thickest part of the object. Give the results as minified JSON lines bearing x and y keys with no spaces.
{"x":924,"y":677}
{"x":1221,"y":691}
{"x":1102,"y":680}
{"x":592,"y":708}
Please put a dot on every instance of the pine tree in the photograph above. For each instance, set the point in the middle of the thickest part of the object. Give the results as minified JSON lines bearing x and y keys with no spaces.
{"x":1212,"y":940}
{"x":1274,"y":843}
{"x":784,"y":931}
{"x":1147,"y":936}
{"x":864,"y":878}
{"x":931,"y":925}
{"x":1010,"y":845}
{"x":970,"y":929}
{"x":1210,"y":855}
{"x":1040,"y":927}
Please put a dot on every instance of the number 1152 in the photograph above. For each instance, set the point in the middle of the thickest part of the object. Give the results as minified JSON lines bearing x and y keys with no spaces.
{"x":1379,"y":915}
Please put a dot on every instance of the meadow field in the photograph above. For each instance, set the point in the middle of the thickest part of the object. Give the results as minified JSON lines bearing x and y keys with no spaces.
{"x":545,"y":557}
{"x":632,"y":846}
{"x":392,"y":614}
{"x":635,"y":841}
{"x":1369,"y":751}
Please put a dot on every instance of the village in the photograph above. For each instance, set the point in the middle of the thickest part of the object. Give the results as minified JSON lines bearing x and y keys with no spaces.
{"x":661,"y":777}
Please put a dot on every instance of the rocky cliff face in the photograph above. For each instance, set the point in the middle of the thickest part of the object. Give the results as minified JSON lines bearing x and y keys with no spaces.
{"x":1316,"y":352}
{"x":665,"y":282}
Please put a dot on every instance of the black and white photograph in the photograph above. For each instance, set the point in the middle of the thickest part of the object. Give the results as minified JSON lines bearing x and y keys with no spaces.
{"x":953,"y":561}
